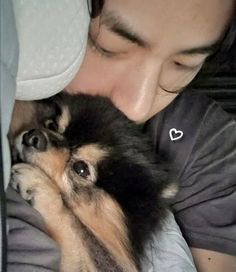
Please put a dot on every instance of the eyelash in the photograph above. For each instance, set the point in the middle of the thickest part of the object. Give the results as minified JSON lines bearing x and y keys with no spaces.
{"x":171,"y":92}
{"x":100,"y":50}
{"x":185,"y":67}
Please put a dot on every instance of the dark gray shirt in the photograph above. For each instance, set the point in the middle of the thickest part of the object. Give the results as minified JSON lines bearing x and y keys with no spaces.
{"x":202,"y":155}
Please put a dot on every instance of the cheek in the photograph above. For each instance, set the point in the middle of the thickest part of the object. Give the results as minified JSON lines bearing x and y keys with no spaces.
{"x":161,"y":101}
{"x":176,"y":79}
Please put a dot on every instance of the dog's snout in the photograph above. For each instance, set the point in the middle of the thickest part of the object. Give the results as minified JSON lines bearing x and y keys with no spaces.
{"x":36,"y":139}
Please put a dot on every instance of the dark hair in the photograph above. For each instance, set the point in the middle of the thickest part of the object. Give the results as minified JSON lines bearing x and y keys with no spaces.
{"x":223,"y":60}
{"x":96,"y":7}
{"x":219,"y":57}
{"x":214,"y":61}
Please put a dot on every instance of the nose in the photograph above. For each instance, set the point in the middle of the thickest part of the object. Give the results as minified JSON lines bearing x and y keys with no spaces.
{"x":36,"y":139}
{"x":136,"y":90}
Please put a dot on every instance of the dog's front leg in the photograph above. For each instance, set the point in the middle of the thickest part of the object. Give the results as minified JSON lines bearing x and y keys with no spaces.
{"x":37,"y":188}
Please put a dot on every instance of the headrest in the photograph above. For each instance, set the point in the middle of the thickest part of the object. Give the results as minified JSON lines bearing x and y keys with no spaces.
{"x":52,"y":40}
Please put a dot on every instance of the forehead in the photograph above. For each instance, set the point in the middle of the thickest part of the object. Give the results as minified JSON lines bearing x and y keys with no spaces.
{"x":182,"y":23}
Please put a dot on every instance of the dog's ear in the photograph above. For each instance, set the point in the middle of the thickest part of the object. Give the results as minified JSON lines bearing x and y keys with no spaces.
{"x":54,"y":112}
{"x":31,"y":114}
{"x":23,"y":116}
{"x":134,"y":182}
{"x":50,"y":107}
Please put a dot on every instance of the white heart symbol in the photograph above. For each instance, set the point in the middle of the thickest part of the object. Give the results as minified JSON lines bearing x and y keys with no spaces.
{"x":175,"y":134}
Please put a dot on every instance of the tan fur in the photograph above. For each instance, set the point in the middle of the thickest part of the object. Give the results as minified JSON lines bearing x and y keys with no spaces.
{"x":63,"y":119}
{"x":53,"y":161}
{"x":103,"y":216}
{"x":91,"y":153}
{"x":98,"y":211}
{"x":60,"y":222}
{"x":170,"y":191}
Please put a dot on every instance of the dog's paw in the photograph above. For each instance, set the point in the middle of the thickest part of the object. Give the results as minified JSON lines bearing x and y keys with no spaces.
{"x":26,"y":179}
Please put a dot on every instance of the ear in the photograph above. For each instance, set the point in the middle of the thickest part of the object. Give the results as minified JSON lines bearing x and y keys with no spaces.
{"x":134,"y":184}
{"x":23,"y":116}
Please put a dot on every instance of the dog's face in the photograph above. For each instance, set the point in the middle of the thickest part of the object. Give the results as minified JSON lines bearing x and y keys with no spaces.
{"x":73,"y":168}
{"x":46,"y":143}
{"x":79,"y":140}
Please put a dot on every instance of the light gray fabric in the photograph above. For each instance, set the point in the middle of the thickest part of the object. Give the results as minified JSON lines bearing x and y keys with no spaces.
{"x":52,"y":41}
{"x":168,"y":250}
{"x":9,"y":62}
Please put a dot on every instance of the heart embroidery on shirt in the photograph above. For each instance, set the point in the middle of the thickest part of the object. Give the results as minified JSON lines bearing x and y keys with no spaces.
{"x":175,"y":134}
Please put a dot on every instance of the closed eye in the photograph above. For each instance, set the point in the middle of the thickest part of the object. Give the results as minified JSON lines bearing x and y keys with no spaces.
{"x":99,"y":49}
{"x":186,"y":67}
{"x":178,"y":91}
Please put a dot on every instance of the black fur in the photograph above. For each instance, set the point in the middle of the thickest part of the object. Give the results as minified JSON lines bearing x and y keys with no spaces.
{"x":131,"y":174}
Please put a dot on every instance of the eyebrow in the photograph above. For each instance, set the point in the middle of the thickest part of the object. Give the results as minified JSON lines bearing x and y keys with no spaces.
{"x":116,"y":24}
{"x":203,"y":50}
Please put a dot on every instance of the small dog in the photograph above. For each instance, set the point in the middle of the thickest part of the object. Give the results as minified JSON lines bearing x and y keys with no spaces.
{"x":92,"y":175}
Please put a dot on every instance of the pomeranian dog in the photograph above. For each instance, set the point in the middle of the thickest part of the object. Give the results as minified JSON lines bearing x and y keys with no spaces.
{"x":92,"y":175}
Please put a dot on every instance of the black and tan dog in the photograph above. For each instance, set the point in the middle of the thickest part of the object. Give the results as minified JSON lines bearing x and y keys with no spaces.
{"x":91,"y":174}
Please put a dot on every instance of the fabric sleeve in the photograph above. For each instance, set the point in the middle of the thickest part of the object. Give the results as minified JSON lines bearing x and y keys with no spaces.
{"x":29,"y":246}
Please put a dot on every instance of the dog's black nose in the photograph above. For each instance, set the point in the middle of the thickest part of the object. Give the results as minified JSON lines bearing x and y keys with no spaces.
{"x":36,"y":139}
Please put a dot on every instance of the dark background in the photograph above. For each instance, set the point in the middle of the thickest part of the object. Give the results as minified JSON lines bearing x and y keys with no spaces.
{"x":221,"y":86}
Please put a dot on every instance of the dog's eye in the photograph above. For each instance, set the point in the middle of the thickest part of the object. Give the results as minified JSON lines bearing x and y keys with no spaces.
{"x":82,"y":169}
{"x":51,"y":125}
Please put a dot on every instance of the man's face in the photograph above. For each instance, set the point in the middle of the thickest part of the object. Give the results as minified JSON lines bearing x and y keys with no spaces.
{"x":141,"y":54}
